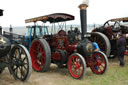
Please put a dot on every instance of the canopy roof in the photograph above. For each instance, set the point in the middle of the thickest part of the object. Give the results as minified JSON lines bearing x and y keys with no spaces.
{"x":124,"y":19}
{"x":52,"y":18}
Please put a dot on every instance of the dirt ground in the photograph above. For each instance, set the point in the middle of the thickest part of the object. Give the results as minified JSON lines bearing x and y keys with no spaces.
{"x":55,"y":76}
{"x":51,"y":77}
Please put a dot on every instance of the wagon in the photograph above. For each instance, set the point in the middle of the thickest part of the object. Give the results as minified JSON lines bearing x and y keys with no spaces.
{"x":112,"y":28}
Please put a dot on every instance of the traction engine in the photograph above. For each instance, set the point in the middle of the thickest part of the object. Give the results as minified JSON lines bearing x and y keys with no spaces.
{"x":72,"y":49}
{"x":14,"y":56}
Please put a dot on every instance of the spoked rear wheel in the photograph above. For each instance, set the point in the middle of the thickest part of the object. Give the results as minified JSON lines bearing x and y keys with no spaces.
{"x":76,"y":66}
{"x":102,"y":41}
{"x":41,"y":55}
{"x":20,"y":63}
{"x":99,"y":63}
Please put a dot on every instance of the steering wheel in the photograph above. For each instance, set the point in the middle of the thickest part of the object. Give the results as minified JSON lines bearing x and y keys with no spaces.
{"x":117,"y":26}
{"x":106,"y":24}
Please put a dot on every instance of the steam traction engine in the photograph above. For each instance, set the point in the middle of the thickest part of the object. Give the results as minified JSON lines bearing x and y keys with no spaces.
{"x":71,"y":48}
{"x":15,"y":57}
{"x":112,"y":28}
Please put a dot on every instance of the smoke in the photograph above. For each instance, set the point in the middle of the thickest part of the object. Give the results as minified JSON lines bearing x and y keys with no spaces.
{"x":85,"y":2}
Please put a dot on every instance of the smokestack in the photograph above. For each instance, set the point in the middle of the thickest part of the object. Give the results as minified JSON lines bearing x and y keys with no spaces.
{"x":83,"y":17}
{"x":1,"y":12}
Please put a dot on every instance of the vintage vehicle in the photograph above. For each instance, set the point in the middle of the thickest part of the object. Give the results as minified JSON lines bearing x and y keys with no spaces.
{"x":112,"y":28}
{"x":14,"y":56}
{"x":63,"y":46}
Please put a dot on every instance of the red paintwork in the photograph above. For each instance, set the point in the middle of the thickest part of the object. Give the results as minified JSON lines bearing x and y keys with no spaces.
{"x":126,"y":52}
{"x":55,"y":42}
{"x":56,"y":56}
{"x":69,"y":48}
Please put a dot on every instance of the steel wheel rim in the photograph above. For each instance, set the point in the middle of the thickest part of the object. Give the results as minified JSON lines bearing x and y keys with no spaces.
{"x":98,"y":63}
{"x":75,"y":66}
{"x":37,"y":53}
{"x":19,"y":63}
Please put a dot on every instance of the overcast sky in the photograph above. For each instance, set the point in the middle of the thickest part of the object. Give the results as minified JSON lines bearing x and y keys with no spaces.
{"x":16,"y":11}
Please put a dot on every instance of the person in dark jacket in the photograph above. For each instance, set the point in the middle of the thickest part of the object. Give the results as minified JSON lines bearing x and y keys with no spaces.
{"x":121,"y":47}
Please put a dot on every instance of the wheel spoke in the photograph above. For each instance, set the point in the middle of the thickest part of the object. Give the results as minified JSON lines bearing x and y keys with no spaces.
{"x":33,"y":50}
{"x":16,"y":72}
{"x":38,"y":47}
{"x":42,"y":61}
{"x":102,"y":66}
{"x":24,"y":59}
{"x":23,"y":72}
{"x":25,"y":68}
{"x":20,"y":53}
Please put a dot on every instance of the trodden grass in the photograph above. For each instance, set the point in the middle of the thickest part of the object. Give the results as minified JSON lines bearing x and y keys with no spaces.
{"x":115,"y":75}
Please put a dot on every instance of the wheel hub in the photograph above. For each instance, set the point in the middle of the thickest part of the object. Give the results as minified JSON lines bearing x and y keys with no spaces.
{"x":19,"y":63}
{"x":76,"y":66}
{"x":39,"y":55}
{"x":98,"y":62}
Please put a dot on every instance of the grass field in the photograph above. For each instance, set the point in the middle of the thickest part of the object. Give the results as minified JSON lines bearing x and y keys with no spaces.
{"x":115,"y":75}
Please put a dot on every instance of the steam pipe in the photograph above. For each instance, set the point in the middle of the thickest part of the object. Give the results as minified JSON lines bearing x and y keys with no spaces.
{"x":83,"y":18}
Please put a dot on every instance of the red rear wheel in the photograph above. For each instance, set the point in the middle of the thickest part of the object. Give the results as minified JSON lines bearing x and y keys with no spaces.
{"x":41,"y":55}
{"x":99,"y":62}
{"x":76,"y":66}
{"x":102,"y":41}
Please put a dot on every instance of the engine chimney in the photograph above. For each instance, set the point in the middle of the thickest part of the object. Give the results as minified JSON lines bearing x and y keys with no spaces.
{"x":1,"y":12}
{"x":83,"y":17}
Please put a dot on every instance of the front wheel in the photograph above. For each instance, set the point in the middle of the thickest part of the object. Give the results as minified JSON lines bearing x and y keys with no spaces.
{"x":76,"y":66}
{"x":99,"y":63}
{"x":20,"y":63}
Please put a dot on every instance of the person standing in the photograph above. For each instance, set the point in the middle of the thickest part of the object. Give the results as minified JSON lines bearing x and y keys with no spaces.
{"x":96,"y":47}
{"x":121,"y":47}
{"x":11,"y":29}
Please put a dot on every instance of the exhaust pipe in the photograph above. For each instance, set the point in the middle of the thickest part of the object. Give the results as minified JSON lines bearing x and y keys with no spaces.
{"x":83,"y":17}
